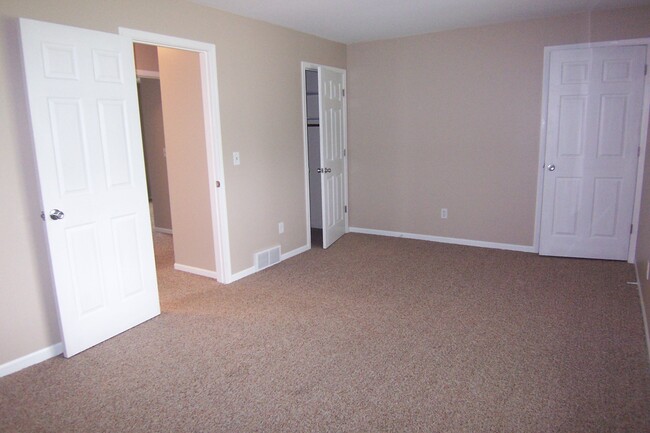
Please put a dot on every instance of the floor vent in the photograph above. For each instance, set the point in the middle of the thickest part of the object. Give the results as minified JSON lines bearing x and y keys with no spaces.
{"x":264,"y":259}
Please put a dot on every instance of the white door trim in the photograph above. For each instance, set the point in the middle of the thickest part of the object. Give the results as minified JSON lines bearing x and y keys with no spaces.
{"x":643,"y":138}
{"x":214,"y":148}
{"x":305,"y":66}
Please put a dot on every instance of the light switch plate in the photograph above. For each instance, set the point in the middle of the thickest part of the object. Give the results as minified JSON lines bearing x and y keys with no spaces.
{"x":235,"y":158}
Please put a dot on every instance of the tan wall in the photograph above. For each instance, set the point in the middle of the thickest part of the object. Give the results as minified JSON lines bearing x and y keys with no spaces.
{"x":261,"y":111}
{"x":452,"y":120}
{"x":153,"y":137}
{"x":187,"y":167}
{"x":146,"y":57}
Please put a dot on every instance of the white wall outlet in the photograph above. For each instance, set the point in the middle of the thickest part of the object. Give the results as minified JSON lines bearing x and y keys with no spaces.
{"x":443,"y":213}
{"x":235,"y":158}
{"x":280,"y":228}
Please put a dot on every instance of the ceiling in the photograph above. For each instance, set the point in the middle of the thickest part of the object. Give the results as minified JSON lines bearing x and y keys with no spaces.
{"x":350,"y":21}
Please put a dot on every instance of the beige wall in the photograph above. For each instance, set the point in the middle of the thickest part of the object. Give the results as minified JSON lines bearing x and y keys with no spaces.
{"x":187,"y":166}
{"x":261,"y":111}
{"x":153,"y":138}
{"x":146,"y":57}
{"x":452,"y":120}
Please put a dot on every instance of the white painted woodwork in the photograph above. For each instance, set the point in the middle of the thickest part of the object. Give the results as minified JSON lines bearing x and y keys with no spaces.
{"x":83,"y":105}
{"x":333,"y":138}
{"x":595,"y":98}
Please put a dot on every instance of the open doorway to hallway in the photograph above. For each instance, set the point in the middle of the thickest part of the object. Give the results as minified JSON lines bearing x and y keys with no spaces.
{"x":173,"y":129}
{"x":193,"y":151}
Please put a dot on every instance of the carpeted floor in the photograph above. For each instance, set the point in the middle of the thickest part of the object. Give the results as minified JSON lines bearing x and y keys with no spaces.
{"x":373,"y":334}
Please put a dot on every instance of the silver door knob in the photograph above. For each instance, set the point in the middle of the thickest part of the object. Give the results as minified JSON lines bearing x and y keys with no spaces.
{"x":319,"y":170}
{"x":551,"y":167}
{"x":56,"y":214}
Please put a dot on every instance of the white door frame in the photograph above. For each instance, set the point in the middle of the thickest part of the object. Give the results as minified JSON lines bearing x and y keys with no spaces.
{"x":307,"y":66}
{"x":645,"y":116}
{"x":214,"y":148}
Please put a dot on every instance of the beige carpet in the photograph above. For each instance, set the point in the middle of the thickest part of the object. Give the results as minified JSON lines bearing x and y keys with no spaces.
{"x":374,"y":334}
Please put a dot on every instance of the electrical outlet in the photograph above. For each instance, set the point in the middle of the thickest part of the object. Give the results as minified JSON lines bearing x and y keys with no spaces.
{"x":443,"y":213}
{"x":280,"y":228}
{"x":235,"y":158}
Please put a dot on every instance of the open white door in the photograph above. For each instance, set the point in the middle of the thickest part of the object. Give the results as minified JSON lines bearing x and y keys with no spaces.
{"x":83,"y":104}
{"x":595,"y":98}
{"x":333,"y":139}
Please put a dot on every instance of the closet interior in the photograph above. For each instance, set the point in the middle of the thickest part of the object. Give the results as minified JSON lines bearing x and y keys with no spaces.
{"x":314,"y":158}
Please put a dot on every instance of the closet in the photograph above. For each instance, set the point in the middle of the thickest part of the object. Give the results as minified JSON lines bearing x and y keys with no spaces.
{"x":313,"y":154}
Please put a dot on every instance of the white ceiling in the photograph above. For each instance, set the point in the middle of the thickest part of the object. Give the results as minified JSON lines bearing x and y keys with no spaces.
{"x":350,"y":21}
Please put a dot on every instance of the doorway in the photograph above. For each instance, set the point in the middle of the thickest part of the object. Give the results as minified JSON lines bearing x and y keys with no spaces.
{"x":593,"y":145}
{"x":313,"y":156}
{"x":153,"y":136}
{"x":209,"y":192}
{"x":171,"y":116}
{"x":81,"y":87}
{"x":325,"y":150}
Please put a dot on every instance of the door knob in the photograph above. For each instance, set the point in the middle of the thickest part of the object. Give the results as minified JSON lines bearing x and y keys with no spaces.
{"x":328,"y":170}
{"x":551,"y":167}
{"x":56,"y":214}
{"x":319,"y":170}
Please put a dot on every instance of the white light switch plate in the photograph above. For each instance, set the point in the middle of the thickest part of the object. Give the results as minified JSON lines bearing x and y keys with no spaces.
{"x":235,"y":158}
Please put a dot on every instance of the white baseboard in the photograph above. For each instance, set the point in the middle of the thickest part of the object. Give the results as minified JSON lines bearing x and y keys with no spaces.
{"x":241,"y":274}
{"x":162,"y":230}
{"x":644,"y":313}
{"x":250,"y":271}
{"x":196,"y":271}
{"x":31,"y":359}
{"x":295,"y":252}
{"x":456,"y":241}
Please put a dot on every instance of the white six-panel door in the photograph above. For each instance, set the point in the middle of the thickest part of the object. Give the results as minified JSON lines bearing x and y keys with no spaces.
{"x":83,"y":104}
{"x":333,"y":138}
{"x":595,"y":98}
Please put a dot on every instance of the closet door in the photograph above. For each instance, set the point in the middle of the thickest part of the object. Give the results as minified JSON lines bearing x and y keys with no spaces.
{"x":333,"y":139}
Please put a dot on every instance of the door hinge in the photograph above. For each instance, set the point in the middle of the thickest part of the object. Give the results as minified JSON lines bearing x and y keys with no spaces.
{"x":645,"y":71}
{"x":345,"y":152}
{"x":631,"y":228}
{"x":346,"y":209}
{"x":638,"y":152}
{"x":344,"y":89}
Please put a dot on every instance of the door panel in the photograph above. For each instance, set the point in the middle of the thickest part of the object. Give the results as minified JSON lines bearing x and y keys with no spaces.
{"x":595,"y":102}
{"x":333,"y":159}
{"x":83,"y":105}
